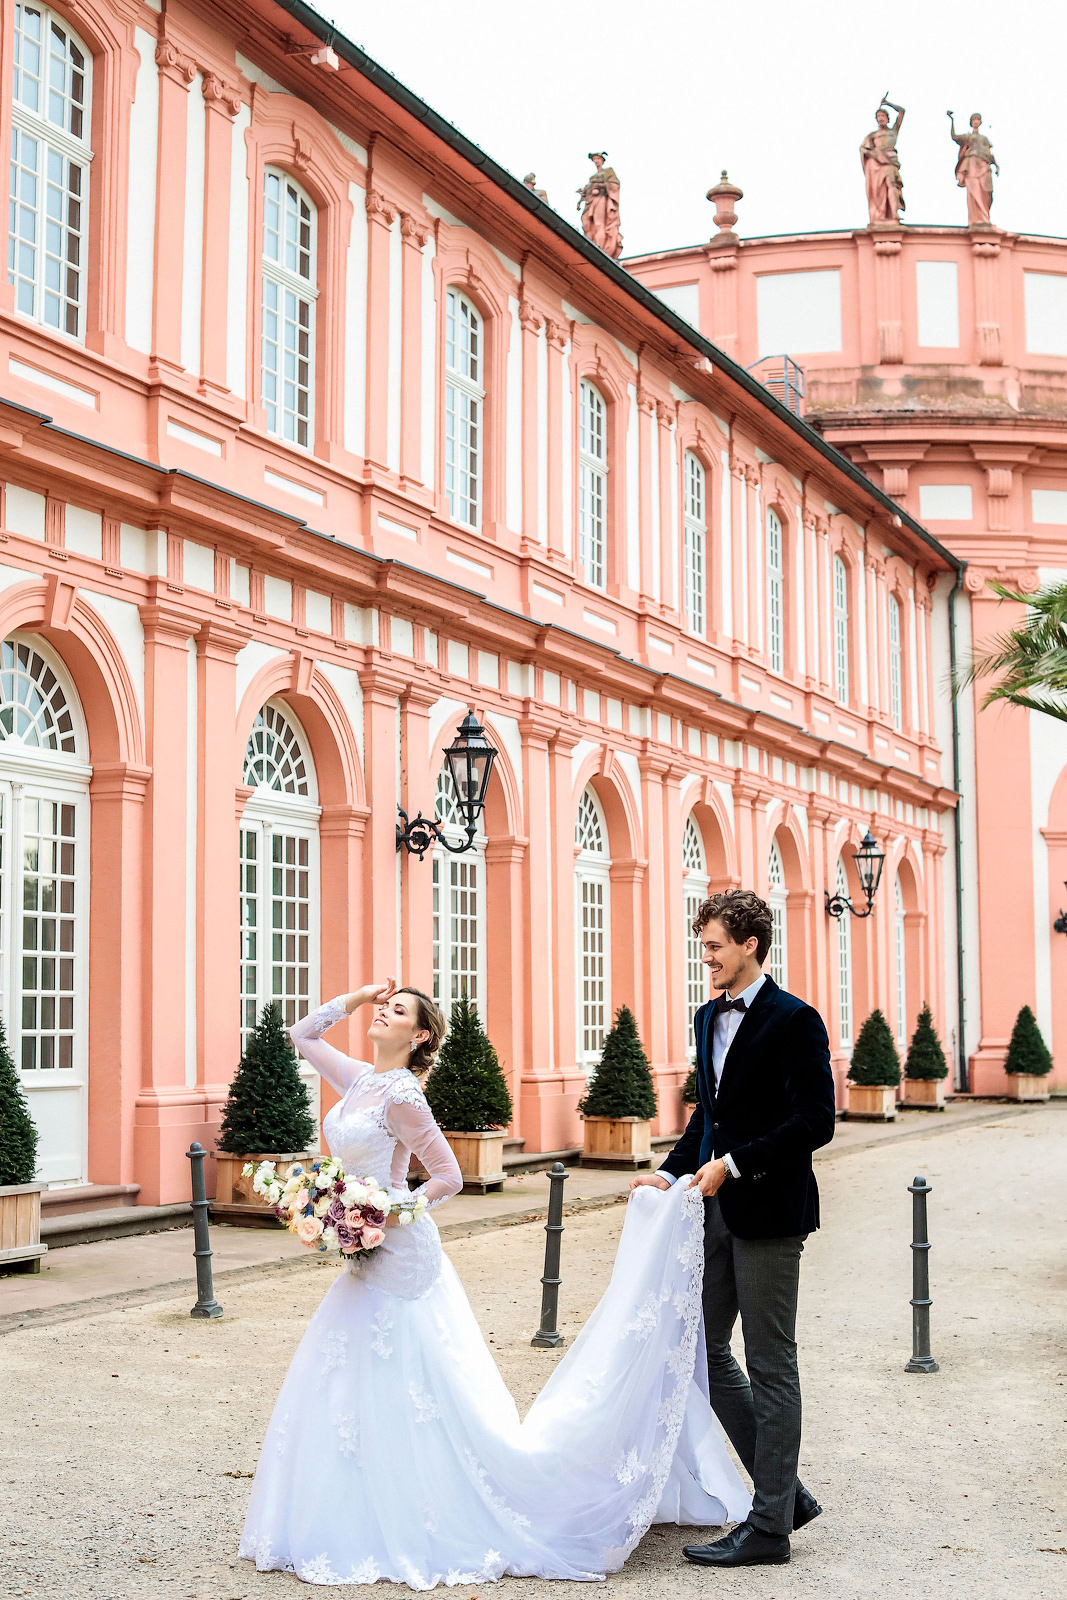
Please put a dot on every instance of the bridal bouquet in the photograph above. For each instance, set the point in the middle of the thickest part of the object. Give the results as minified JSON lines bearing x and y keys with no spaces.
{"x":327,"y":1208}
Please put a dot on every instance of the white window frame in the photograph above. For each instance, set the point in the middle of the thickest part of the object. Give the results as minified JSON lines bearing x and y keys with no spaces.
{"x":901,"y":954}
{"x":592,"y":485}
{"x":842,"y":674}
{"x":457,"y":881}
{"x":695,"y":886}
{"x":30,"y":772}
{"x":775,"y":592}
{"x":695,"y":540}
{"x":896,"y":665}
{"x":464,"y":452}
{"x":778,"y":901}
{"x":592,"y":889}
{"x":271,"y":813}
{"x":844,"y":964}
{"x":288,"y":330}
{"x":55,"y":146}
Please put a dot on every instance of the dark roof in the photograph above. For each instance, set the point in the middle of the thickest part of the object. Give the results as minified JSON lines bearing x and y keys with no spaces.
{"x":577,"y":241}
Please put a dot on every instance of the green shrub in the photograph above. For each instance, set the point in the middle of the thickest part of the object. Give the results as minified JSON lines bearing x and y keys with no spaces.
{"x":875,"y":1063}
{"x":623,"y":1084}
{"x":467,"y":1090}
{"x":689,"y":1088}
{"x":18,"y":1136}
{"x":925,"y":1059}
{"x":267,"y":1109}
{"x":1027,"y":1051}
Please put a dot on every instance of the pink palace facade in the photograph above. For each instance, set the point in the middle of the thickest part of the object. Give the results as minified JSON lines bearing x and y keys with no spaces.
{"x":317,"y":429}
{"x":936,"y":359}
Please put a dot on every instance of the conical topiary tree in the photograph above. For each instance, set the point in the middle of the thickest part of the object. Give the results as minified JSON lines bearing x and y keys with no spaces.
{"x":689,"y":1088}
{"x":623,"y":1085}
{"x":925,"y":1058}
{"x":18,"y":1136}
{"x":875,"y":1063}
{"x":1028,"y":1054}
{"x":467,"y":1090}
{"x":267,"y":1110}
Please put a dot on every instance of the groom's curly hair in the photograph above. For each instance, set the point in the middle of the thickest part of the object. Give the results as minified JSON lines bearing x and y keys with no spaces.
{"x":744,"y":916}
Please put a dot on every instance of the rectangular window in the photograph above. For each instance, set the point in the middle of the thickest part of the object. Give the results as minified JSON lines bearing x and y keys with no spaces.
{"x":841,"y":672}
{"x":895,"y":698}
{"x":464,"y":400}
{"x":594,"y":966}
{"x":276,"y":937}
{"x":287,"y":378}
{"x":592,"y":487}
{"x":695,"y":553}
{"x":696,"y":978}
{"x":48,"y":935}
{"x":775,"y":594}
{"x":457,"y":930}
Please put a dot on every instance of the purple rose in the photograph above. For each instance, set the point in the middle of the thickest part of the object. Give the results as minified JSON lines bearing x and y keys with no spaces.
{"x":375,"y":1217}
{"x":346,"y":1239}
{"x":336,"y":1213}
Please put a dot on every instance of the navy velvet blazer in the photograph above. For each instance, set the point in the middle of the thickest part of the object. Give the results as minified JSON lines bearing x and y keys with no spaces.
{"x":774,"y":1105}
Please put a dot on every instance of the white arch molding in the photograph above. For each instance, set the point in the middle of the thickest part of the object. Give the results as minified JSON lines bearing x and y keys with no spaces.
{"x":777,"y":899}
{"x":695,"y":884}
{"x":44,"y":898}
{"x":592,"y":931}
{"x":279,"y":874}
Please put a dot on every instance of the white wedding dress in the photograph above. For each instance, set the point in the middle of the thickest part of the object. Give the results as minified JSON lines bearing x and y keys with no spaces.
{"x":395,"y":1450}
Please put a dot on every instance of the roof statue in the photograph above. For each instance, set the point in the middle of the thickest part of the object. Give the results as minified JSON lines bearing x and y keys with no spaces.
{"x":881,"y":167}
{"x":974,"y":170}
{"x":530,"y":181}
{"x":598,"y":201}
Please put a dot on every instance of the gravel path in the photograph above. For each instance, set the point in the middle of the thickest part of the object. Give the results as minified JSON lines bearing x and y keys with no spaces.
{"x":128,"y":1437}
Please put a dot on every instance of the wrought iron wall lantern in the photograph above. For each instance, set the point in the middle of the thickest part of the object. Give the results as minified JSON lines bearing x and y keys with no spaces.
{"x":869,"y":862}
{"x":1060,"y":923}
{"x":470,"y":761}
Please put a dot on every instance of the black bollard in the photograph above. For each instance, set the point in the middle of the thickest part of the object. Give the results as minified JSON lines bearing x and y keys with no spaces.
{"x":921,"y":1359}
{"x":206,"y":1304}
{"x":548,"y":1336}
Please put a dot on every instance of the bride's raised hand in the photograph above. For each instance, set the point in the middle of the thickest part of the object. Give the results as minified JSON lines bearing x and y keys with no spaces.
{"x":371,"y":994}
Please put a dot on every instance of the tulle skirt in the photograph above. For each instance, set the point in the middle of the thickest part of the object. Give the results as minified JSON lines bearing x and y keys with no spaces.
{"x":395,"y":1450}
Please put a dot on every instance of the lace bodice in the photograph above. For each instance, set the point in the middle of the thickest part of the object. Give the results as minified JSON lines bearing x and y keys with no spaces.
{"x":382,"y":1116}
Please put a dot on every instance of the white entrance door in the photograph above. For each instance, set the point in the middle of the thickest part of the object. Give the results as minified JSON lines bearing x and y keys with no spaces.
{"x":44,"y":899}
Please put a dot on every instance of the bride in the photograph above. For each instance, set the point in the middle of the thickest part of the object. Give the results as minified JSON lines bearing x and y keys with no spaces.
{"x":395,"y":1450}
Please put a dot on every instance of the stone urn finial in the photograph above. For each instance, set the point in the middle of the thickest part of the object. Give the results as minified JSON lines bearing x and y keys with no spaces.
{"x":724,"y":197}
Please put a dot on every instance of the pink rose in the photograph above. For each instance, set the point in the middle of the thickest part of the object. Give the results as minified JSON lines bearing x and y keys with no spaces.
{"x":299,"y":1201}
{"x":308,"y":1229}
{"x":354,"y":1217}
{"x":372,"y":1238}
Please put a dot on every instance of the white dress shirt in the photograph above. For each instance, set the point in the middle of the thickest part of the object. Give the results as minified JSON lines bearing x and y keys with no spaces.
{"x":723,"y":1029}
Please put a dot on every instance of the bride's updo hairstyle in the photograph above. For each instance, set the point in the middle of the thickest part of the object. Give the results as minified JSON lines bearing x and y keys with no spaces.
{"x":428,"y":1017}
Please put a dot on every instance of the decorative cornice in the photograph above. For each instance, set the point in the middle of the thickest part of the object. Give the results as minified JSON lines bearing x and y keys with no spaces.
{"x":173,"y":63}
{"x":379,"y":208}
{"x":557,"y":333}
{"x":414,"y":232}
{"x":529,"y":317}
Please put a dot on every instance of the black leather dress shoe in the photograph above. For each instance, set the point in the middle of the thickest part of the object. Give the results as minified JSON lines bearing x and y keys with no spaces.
{"x":805,"y":1509}
{"x":744,"y":1546}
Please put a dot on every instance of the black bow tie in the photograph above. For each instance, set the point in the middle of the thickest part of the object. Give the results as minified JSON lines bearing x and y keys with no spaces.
{"x":723,"y":1004}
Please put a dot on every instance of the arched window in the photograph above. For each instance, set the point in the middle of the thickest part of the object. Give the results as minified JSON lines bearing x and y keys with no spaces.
{"x":895,"y":664}
{"x":592,"y":486}
{"x":289,"y":295}
{"x":901,"y":954}
{"x":778,"y":955}
{"x":844,"y":965}
{"x":458,"y":908}
{"x":592,"y":908}
{"x":279,"y":871}
{"x":464,"y":403}
{"x":696,"y":542}
{"x":775,"y":594}
{"x":694,"y":893}
{"x":51,"y":114}
{"x":841,"y":667}
{"x":44,"y":898}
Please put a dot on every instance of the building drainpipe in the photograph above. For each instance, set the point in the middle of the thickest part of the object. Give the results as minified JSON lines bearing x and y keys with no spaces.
{"x":961,"y":1047}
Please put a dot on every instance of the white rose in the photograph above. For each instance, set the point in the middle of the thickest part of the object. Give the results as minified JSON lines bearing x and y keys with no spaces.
{"x":329,"y":1236}
{"x":355,"y":1195}
{"x":404,"y":1217}
{"x":322,"y":1205}
{"x":380,"y":1200}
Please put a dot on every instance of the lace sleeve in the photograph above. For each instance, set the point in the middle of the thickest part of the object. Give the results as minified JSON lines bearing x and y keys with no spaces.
{"x":410,"y":1120}
{"x":340,"y":1071}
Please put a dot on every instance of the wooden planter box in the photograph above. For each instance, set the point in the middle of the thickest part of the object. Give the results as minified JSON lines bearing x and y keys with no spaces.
{"x":871,"y":1104}
{"x":20,"y":1227}
{"x":1021,"y":1086}
{"x":617,"y":1142}
{"x":480,"y":1157}
{"x":923,"y":1094}
{"x":235,"y":1200}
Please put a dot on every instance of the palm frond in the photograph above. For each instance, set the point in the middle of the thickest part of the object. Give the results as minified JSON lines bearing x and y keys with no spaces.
{"x":1028,"y":662}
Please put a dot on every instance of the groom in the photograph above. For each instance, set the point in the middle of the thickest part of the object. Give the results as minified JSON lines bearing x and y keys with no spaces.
{"x":765,"y":1101}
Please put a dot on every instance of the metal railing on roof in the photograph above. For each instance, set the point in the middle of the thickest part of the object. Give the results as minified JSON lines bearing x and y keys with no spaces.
{"x":783,"y":378}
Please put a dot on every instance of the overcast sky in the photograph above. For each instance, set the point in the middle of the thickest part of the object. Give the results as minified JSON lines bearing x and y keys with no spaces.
{"x":780,"y":93}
